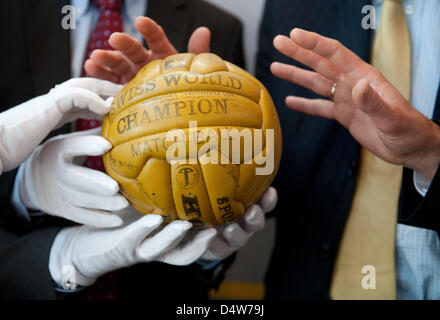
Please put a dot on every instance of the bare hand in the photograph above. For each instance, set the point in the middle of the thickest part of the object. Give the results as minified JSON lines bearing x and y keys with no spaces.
{"x":129,"y":56}
{"x":365,"y":102}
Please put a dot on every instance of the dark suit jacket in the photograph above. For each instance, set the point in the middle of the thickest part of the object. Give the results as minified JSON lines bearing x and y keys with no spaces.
{"x":35,"y":56}
{"x":319,"y":163}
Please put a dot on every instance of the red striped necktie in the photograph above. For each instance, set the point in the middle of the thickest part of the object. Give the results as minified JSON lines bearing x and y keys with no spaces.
{"x":109,"y":21}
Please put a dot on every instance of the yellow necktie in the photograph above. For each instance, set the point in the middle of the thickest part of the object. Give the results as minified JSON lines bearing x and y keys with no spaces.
{"x":364,"y":268}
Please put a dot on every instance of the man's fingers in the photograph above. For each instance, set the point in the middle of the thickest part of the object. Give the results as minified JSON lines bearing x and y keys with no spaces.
{"x":163,"y":241}
{"x":192,"y":250}
{"x":368,"y":100}
{"x":315,"y":107}
{"x":372,"y":104}
{"x":70,"y":98}
{"x":130,"y":47}
{"x":200,"y":41}
{"x":321,"y":65}
{"x":308,"y":79}
{"x":343,"y":58}
{"x":89,"y":180}
{"x":135,"y":233}
{"x":218,"y":249}
{"x":80,"y":145}
{"x":253,"y":219}
{"x":94,"y":218}
{"x":114,"y":61}
{"x":94,"y":201}
{"x":269,"y":199}
{"x":235,"y":236}
{"x":155,"y":37}
{"x":95,"y":70}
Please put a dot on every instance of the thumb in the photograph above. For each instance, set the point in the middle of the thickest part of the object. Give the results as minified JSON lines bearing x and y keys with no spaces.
{"x":133,"y":234}
{"x":200,"y":41}
{"x":372,"y":104}
{"x":91,"y":145}
{"x":66,"y":99}
{"x":192,"y":250}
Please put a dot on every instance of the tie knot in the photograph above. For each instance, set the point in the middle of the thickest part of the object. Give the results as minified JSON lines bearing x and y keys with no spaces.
{"x":108,"y":4}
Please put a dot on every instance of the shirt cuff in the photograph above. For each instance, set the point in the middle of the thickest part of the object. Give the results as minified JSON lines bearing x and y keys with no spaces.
{"x":17,"y":203}
{"x":208,"y":264}
{"x":421,"y":183}
{"x":68,"y":287}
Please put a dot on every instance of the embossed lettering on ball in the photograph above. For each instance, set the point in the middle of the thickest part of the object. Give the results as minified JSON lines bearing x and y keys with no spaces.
{"x":223,"y":128}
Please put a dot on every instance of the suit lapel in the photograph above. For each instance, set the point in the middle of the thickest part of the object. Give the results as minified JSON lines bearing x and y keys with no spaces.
{"x":345,"y":17}
{"x":339,"y":19}
{"x":175,"y":17}
{"x":48,"y":43}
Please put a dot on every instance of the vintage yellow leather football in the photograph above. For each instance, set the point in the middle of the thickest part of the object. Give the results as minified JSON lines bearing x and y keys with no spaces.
{"x":180,"y":133}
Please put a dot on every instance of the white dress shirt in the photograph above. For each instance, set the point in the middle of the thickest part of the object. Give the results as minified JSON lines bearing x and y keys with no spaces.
{"x":418,"y":249}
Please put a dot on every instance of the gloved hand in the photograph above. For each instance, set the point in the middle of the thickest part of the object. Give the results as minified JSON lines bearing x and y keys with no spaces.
{"x":23,"y":127}
{"x":235,"y":236}
{"x":49,"y":180}
{"x":81,"y":254}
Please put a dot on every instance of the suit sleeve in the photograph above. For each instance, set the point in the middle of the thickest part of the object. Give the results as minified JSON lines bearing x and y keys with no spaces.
{"x":427,"y":209}
{"x":24,"y":259}
{"x":418,"y":211}
{"x":236,"y":52}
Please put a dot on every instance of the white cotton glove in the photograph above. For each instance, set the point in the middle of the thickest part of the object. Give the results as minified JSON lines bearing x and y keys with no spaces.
{"x":235,"y":236}
{"x":23,"y":127}
{"x":50,"y":181}
{"x":81,"y":254}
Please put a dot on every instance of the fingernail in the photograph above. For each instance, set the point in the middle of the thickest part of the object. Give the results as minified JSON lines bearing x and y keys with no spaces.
{"x":290,"y":98}
{"x":274,"y":64}
{"x":277,"y":39}
{"x":294,"y":30}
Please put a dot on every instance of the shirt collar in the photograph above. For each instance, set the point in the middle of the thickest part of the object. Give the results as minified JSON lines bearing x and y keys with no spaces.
{"x":133,"y":8}
{"x":81,"y":6}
